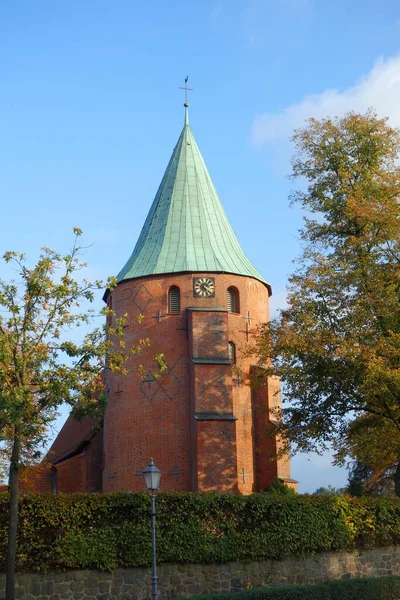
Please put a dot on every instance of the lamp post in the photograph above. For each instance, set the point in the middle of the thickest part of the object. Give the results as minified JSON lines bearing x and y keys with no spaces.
{"x":152,"y":477}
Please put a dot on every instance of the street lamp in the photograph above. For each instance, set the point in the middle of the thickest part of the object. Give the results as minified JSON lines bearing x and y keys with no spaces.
{"x":152,"y":477}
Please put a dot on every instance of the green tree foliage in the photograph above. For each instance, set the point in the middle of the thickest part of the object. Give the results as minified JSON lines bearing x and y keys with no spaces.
{"x":372,"y":444}
{"x":330,"y":491}
{"x":359,"y":475}
{"x":336,"y":346}
{"x":41,"y":366}
{"x":278,"y":488}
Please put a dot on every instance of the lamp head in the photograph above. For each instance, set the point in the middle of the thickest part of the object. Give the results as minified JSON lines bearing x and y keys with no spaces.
{"x":152,"y":477}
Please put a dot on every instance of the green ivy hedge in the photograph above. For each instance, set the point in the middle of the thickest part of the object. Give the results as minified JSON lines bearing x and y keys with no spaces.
{"x":371,"y":588}
{"x":106,"y":531}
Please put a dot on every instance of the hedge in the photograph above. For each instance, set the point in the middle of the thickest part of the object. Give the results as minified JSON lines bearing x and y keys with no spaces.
{"x":107,"y":531}
{"x":378,"y":588}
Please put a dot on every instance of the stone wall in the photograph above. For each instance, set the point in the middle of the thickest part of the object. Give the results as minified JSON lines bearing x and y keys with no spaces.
{"x":126,"y":584}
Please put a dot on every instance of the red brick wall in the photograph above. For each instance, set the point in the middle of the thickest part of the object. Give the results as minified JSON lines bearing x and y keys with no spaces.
{"x":36,"y":479}
{"x":71,"y":436}
{"x":157,"y":419}
{"x":216,"y":451}
{"x":266,"y":401}
{"x":94,"y":463}
{"x":81,"y":473}
{"x":266,"y":467}
{"x":71,"y":475}
{"x":214,"y":445}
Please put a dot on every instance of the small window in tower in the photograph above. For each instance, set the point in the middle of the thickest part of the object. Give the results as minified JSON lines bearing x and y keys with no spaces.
{"x":174,"y":299}
{"x":232,"y":352}
{"x":233,"y":300}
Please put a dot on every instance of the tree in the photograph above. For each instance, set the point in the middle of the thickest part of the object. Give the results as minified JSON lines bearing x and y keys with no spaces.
{"x":358,"y":476}
{"x":278,"y":488}
{"x":336,"y":346}
{"x":330,"y":491}
{"x":373,"y":445}
{"x":41,"y":367}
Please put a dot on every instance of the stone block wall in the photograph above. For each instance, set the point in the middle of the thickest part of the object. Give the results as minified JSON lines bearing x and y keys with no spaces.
{"x":186,"y":580}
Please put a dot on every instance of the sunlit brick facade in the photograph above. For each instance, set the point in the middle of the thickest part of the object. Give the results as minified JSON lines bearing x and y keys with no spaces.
{"x":205,"y":428}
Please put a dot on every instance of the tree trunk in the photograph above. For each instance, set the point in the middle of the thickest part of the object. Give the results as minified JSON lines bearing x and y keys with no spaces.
{"x":397,"y":480}
{"x":13,"y":519}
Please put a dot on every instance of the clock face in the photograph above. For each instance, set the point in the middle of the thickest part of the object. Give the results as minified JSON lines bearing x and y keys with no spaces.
{"x":204,"y":287}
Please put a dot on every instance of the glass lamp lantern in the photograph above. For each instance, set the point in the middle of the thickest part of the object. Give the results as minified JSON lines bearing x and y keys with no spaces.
{"x":152,"y":477}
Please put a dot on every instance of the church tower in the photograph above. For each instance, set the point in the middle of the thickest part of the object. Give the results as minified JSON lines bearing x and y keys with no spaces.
{"x":200,"y":297}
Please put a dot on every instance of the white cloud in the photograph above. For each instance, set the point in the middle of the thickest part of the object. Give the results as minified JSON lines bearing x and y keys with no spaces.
{"x":379,"y":89}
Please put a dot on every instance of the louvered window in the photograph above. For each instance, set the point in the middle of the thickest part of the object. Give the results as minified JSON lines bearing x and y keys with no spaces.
{"x":174,"y":299}
{"x":232,"y":352}
{"x":232,"y":298}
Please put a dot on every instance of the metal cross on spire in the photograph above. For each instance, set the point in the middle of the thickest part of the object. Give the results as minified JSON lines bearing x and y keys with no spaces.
{"x":187,"y":89}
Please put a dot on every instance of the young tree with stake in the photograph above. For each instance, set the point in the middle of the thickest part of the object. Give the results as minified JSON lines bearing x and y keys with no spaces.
{"x":41,"y":367}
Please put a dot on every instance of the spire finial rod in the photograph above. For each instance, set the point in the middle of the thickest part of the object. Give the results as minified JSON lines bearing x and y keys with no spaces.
{"x":186,"y":105}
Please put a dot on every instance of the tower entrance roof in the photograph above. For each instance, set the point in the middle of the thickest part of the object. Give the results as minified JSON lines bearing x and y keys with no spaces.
{"x":187,"y":228}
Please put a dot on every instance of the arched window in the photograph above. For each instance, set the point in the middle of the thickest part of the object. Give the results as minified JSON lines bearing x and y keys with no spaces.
{"x":232,"y":352}
{"x":174,"y":299}
{"x":233,"y":300}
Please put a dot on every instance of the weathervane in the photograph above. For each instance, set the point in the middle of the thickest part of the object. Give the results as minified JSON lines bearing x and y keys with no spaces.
{"x":187,"y":89}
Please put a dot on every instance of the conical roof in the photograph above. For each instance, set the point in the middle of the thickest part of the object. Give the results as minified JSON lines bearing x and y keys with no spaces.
{"x":187,"y":229}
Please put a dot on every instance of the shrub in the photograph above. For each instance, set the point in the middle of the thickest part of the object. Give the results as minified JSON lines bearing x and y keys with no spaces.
{"x":278,"y":488}
{"x":113,"y":530}
{"x":371,"y":588}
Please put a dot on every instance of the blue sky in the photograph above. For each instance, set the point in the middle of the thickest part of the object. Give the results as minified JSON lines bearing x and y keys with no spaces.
{"x":90,"y":111}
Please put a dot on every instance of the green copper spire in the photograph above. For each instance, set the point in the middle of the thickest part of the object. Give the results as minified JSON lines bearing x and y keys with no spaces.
{"x":187,"y":228}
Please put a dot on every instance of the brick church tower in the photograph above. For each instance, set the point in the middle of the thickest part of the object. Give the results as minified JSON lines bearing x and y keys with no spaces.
{"x":200,"y":297}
